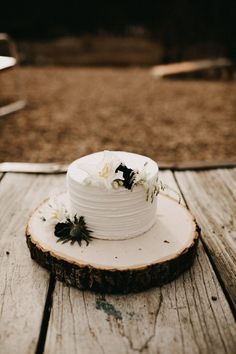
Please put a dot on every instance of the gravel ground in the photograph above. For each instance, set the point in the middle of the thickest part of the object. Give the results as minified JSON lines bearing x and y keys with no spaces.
{"x":75,"y":111}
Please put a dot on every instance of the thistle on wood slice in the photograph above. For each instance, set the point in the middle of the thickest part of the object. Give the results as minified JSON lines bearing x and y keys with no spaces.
{"x":73,"y":231}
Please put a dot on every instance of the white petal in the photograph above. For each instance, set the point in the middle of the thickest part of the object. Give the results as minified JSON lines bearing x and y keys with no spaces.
{"x":119,"y":175}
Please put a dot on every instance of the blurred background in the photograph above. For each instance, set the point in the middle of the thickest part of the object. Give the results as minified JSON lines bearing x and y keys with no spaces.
{"x":152,"y":77}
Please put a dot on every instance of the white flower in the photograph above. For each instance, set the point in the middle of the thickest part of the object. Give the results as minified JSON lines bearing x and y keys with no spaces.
{"x":56,"y":212}
{"x":141,"y":176}
{"x":104,"y":173}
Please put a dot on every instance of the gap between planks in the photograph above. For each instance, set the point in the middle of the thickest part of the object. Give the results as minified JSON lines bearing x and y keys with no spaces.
{"x":1,"y":176}
{"x":46,"y":316}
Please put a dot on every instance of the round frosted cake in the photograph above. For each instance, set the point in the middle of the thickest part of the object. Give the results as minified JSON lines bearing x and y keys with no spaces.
{"x":115,"y":192}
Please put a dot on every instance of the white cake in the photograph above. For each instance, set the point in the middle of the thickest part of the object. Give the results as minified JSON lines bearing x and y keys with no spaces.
{"x":112,"y":211}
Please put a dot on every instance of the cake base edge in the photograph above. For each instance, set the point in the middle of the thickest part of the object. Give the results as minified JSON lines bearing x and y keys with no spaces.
{"x":114,"y":280}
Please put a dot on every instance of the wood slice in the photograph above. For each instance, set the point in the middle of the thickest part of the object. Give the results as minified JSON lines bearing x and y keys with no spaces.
{"x":131,"y":265}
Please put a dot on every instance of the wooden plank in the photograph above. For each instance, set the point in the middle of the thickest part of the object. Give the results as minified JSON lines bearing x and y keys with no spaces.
{"x":203,"y":165}
{"x":23,"y":284}
{"x":7,"y":62}
{"x":12,"y":107}
{"x":28,"y":167}
{"x":180,"y":68}
{"x":52,"y":168}
{"x":189,"y":315}
{"x":211,"y":195}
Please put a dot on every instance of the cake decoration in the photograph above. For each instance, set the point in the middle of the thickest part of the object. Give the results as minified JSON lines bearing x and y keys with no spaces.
{"x":104,"y":173}
{"x":56,"y":216}
{"x":73,"y":231}
{"x":54,"y":213}
{"x":113,"y":173}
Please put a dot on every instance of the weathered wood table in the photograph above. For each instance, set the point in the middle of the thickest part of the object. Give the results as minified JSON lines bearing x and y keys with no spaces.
{"x":193,"y":314}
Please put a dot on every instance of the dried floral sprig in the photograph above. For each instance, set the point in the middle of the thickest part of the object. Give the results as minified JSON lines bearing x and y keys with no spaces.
{"x":132,"y":178}
{"x":73,"y":231}
{"x":160,"y":186}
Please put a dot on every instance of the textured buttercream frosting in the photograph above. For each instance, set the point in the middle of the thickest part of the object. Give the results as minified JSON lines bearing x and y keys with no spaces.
{"x":112,"y":213}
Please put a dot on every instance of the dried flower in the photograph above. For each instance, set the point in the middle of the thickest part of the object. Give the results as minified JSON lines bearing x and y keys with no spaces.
{"x":73,"y":231}
{"x":128,"y":175}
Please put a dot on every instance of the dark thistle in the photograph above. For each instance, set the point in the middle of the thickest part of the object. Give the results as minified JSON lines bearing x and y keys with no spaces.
{"x":73,"y":231}
{"x":128,"y":175}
